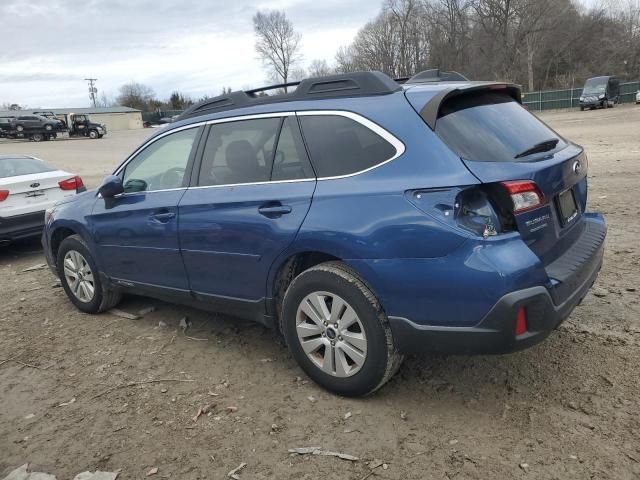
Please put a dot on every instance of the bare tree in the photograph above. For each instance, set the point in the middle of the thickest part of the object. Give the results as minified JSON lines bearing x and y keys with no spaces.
{"x":536,"y":43}
{"x":345,"y":59}
{"x":319,"y":68}
{"x":137,"y":95}
{"x":277,"y":43}
{"x":104,"y":100}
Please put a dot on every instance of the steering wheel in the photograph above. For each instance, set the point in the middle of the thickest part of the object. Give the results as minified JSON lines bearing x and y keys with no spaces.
{"x":173,"y":177}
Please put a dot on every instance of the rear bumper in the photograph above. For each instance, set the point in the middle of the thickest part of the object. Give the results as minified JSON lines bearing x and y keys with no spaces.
{"x":21,"y":226}
{"x":546,"y":307}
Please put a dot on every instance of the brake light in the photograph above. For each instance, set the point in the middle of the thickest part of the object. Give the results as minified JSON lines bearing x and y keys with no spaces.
{"x":521,"y":322}
{"x":3,"y":195}
{"x":73,"y":183}
{"x":524,"y":194}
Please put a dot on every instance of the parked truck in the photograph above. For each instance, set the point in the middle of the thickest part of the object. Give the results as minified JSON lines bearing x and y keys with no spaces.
{"x":78,"y":124}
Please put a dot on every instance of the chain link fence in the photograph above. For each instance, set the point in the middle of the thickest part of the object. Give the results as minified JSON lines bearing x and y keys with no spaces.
{"x":570,"y":98}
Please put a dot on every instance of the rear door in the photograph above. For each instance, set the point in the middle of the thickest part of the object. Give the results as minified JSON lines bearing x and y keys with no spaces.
{"x":498,"y":140}
{"x":254,"y":189}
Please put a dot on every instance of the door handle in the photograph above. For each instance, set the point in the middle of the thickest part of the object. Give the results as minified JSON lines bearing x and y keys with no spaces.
{"x":274,"y":210}
{"x":162,"y":216}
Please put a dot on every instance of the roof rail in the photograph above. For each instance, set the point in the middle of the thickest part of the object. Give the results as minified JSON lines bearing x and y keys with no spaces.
{"x":252,"y":93}
{"x":356,"y":84}
{"x":436,"y":75}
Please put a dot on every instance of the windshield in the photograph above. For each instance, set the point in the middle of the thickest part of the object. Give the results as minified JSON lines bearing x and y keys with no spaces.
{"x":492,"y":127}
{"x":595,"y":85}
{"x":12,"y":167}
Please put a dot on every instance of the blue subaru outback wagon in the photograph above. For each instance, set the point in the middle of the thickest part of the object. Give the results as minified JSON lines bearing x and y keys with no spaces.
{"x":362,"y":218}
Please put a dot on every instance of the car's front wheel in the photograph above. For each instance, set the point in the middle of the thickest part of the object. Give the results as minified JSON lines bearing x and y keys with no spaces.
{"x":93,"y":134}
{"x":80,"y":277}
{"x":337,"y":331}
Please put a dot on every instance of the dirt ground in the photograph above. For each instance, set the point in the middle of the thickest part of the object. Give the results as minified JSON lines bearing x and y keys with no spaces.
{"x":567,"y":408}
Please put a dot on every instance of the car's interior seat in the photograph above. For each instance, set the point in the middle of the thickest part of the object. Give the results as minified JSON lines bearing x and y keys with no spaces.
{"x":243,"y":164}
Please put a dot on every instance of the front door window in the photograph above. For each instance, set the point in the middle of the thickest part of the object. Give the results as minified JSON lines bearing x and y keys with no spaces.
{"x":162,"y":165}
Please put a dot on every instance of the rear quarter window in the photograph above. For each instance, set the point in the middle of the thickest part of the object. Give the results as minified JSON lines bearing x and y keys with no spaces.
{"x":341,"y":146}
{"x":492,"y":127}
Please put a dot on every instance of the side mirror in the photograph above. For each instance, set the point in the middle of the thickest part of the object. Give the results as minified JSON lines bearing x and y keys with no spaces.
{"x":111,"y":186}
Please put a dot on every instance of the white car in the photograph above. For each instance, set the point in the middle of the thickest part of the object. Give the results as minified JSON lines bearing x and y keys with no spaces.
{"x":28,"y":186}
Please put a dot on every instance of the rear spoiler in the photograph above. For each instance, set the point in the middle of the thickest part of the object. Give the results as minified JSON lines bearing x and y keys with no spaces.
{"x":431,"y":110}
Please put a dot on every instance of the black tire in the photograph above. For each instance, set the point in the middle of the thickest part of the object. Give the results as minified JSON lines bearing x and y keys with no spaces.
{"x":19,"y":128}
{"x":37,"y":137}
{"x":382,"y":359}
{"x":581,"y":108}
{"x":93,"y":134}
{"x":48,"y":128}
{"x":103,"y":298}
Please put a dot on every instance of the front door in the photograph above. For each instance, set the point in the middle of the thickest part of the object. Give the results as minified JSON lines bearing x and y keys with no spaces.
{"x":137,"y":232}
{"x":255,"y":186}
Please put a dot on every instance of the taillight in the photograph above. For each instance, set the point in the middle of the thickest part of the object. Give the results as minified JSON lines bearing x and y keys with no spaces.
{"x":524,"y":194}
{"x":73,"y":183}
{"x":3,"y":195}
{"x":474,"y":212}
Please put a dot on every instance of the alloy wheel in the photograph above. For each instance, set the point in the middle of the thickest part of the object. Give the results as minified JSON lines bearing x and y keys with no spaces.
{"x":79,"y":277}
{"x":331,"y":334}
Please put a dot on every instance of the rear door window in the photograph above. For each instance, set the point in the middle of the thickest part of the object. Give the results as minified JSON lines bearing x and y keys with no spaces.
{"x":290,"y":161}
{"x":492,"y":127}
{"x":239,"y":152}
{"x":341,"y":146}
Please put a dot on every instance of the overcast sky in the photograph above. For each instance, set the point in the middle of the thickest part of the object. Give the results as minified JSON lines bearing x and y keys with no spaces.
{"x":195,"y":46}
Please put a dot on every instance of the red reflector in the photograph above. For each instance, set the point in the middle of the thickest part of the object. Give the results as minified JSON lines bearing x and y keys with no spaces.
{"x":3,"y":195}
{"x":73,"y":183}
{"x":525,"y":195}
{"x":521,"y":322}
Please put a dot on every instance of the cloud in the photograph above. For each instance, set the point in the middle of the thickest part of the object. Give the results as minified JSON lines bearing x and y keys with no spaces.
{"x":34,"y":77}
{"x":193,"y":46}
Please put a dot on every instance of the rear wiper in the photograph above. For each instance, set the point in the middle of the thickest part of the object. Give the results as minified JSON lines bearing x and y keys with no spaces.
{"x":539,"y":147}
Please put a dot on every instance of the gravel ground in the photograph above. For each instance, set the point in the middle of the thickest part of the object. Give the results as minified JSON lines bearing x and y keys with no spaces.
{"x":74,"y":396}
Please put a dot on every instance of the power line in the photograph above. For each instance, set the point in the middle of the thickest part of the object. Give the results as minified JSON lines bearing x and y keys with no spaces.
{"x":92,"y":90}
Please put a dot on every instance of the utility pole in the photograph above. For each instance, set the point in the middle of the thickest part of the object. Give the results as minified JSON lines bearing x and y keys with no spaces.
{"x":92,"y":90}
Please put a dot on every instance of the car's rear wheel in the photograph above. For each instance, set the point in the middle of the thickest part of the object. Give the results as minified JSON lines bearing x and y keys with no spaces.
{"x":337,"y":331}
{"x":80,"y":277}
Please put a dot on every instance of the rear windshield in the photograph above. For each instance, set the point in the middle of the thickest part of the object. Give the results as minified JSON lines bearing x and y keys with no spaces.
{"x":493,"y":127}
{"x":11,"y":167}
